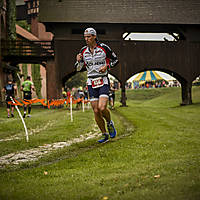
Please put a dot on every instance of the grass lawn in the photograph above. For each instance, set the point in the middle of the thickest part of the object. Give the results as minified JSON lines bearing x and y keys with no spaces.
{"x":156,"y":154}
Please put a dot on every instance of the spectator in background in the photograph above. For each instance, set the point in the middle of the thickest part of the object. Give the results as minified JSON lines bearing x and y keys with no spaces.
{"x":76,"y":96}
{"x":86,"y":95}
{"x":64,"y":93}
{"x":68,"y":93}
{"x":81,"y":93}
{"x":111,"y":96}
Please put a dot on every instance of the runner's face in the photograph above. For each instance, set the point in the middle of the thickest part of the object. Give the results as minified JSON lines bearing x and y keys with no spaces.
{"x":89,"y":39}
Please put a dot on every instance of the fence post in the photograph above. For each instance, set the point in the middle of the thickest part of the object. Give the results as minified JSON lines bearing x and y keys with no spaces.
{"x":71,"y":108}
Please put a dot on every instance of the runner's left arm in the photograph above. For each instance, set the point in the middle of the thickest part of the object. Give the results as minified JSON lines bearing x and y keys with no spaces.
{"x":111,"y":58}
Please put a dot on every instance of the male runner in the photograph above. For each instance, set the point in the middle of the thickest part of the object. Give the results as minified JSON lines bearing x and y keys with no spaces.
{"x":98,"y":58}
{"x":27,"y":87}
{"x":10,"y":90}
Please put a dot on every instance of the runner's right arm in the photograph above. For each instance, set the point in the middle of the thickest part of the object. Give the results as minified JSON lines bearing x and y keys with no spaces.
{"x":80,"y":64}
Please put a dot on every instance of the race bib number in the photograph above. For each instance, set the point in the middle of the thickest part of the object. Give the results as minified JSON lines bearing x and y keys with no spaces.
{"x":97,"y":82}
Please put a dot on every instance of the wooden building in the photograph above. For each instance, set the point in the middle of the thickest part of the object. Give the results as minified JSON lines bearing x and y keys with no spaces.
{"x":67,"y":19}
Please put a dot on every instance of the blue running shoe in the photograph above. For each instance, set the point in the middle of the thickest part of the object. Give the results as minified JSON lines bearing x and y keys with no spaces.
{"x":111,"y":129}
{"x":104,"y":138}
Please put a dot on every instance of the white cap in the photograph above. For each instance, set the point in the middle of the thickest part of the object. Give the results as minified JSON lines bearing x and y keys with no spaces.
{"x":90,"y":31}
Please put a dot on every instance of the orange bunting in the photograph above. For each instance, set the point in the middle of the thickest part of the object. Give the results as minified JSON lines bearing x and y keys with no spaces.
{"x":48,"y":103}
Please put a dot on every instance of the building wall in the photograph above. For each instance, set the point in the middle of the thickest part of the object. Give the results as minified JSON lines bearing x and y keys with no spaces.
{"x":39,"y":30}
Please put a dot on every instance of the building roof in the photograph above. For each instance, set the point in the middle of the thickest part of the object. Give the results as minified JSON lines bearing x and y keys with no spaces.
{"x":118,"y":11}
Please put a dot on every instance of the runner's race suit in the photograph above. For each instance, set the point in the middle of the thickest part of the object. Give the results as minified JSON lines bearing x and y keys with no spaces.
{"x":9,"y":93}
{"x":102,"y":56}
{"x":27,"y":89}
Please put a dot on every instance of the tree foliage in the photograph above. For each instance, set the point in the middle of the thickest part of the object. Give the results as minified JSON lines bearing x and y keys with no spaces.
{"x":24,"y":70}
{"x":36,"y":76}
{"x":24,"y":25}
{"x":79,"y":79}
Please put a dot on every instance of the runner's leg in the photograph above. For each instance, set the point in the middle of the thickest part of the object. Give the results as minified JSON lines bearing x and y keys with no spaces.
{"x":29,"y":109}
{"x":106,"y":114}
{"x":98,"y":116}
{"x":103,"y":101}
{"x":12,"y":110}
{"x":8,"y":110}
{"x":25,"y":109}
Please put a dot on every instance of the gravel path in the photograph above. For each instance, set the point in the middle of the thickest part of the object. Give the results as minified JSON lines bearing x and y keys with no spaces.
{"x":36,"y":153}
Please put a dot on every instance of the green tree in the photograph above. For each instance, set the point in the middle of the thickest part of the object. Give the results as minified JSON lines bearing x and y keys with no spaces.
{"x":24,"y":25}
{"x":35,"y":71}
{"x":79,"y":79}
{"x":24,"y":70}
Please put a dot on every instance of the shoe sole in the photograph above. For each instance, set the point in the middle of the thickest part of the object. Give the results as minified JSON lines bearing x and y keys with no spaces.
{"x":113,"y":136}
{"x":103,"y":142}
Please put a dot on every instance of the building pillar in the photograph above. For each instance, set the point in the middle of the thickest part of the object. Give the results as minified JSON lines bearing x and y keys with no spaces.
{"x":34,"y":26}
{"x":1,"y":83}
{"x":186,"y":93}
{"x":123,"y":83}
{"x":123,"y":68}
{"x":123,"y":94}
{"x":53,"y":84}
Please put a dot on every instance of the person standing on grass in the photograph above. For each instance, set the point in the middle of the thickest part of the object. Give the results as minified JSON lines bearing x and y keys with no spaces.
{"x":27,"y":88}
{"x":111,"y":96}
{"x":97,"y":58}
{"x":10,"y":90}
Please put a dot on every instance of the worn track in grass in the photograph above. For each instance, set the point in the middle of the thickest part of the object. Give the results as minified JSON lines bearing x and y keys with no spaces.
{"x":32,"y":155}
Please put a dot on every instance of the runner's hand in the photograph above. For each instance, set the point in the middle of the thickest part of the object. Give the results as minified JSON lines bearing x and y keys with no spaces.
{"x":103,"y":69}
{"x":79,"y":57}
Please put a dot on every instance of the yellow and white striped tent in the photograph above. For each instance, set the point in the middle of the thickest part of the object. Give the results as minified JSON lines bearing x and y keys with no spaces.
{"x":147,"y":76}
